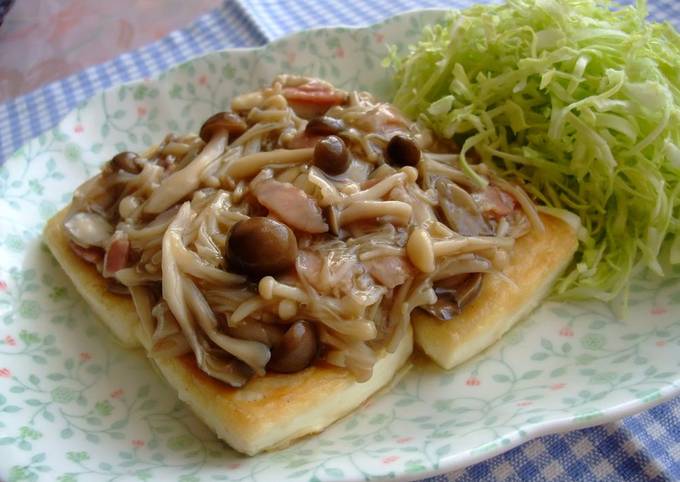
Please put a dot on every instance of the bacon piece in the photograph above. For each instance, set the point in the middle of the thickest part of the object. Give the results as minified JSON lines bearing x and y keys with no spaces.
{"x":389,"y":271}
{"x":117,"y":255}
{"x":315,"y":93}
{"x":291,"y":205}
{"x":494,"y":202}
{"x":331,"y":272}
{"x":92,"y":255}
{"x":313,"y":98}
{"x":385,"y":120}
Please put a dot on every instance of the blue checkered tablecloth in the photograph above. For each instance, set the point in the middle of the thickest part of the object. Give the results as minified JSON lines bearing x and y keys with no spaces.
{"x":642,"y":447}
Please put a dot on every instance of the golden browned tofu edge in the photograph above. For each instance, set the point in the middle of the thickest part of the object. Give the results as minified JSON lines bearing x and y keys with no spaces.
{"x":117,"y":312}
{"x":537,"y":261}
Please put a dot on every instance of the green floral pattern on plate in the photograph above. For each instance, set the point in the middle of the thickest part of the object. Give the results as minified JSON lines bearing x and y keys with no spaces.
{"x":75,"y":406}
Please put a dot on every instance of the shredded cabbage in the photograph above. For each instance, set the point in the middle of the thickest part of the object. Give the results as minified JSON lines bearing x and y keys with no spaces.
{"x":579,"y":100}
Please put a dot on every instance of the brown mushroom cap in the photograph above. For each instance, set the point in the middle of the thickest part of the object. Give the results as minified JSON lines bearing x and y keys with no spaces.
{"x":402,"y":151}
{"x":125,"y":161}
{"x":331,"y":155}
{"x":453,"y":294}
{"x":297,"y":350}
{"x":223,"y":121}
{"x":324,"y":126}
{"x":261,"y":246}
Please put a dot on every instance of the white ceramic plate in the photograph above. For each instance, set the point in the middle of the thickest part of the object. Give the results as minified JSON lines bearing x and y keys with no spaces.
{"x":74,"y":406}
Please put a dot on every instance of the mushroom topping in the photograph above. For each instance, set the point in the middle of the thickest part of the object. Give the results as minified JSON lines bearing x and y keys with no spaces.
{"x":331,"y":155}
{"x":250,"y":165}
{"x":377,"y":188}
{"x":269,"y":288}
{"x":88,"y":229}
{"x":292,"y":205}
{"x":306,"y":222}
{"x":297,"y":349}
{"x":216,"y":131}
{"x":460,"y":210}
{"x":396,"y":211}
{"x":167,"y":162}
{"x":261,"y":246}
{"x":220,"y":122}
{"x":402,"y":151}
{"x":422,"y":251}
{"x":324,"y":126}
{"x":267,"y":333}
{"x":332,"y":216}
{"x":453,"y":294}
{"x":125,"y":161}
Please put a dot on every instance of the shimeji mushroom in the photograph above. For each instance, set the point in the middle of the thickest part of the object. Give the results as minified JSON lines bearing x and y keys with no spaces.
{"x":324,"y":126}
{"x":216,"y":132}
{"x":399,"y":212}
{"x":260,"y":246}
{"x":251,"y":164}
{"x":331,"y":155}
{"x":402,"y":151}
{"x":297,"y":350}
{"x":423,"y":251}
{"x":359,"y":328}
{"x":270,"y":288}
{"x":384,"y":186}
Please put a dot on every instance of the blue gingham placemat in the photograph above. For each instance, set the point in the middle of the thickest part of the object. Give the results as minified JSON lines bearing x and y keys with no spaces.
{"x":642,"y":447}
